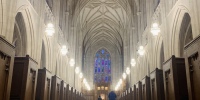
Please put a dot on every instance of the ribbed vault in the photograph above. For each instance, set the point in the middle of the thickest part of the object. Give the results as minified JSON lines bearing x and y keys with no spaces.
{"x":103,"y":22}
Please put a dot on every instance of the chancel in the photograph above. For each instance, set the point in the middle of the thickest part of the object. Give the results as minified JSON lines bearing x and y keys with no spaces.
{"x":99,"y":49}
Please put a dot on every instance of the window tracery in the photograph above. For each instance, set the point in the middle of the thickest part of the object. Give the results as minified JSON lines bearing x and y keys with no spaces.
{"x":102,"y":67}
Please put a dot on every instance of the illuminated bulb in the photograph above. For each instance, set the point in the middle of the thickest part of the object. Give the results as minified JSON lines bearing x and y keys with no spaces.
{"x":77,"y":70}
{"x":84,"y":81}
{"x":128,"y":71}
{"x":81,"y":75}
{"x":155,"y":29}
{"x":133,"y":62}
{"x":120,"y":81}
{"x":72,"y":62}
{"x":50,"y":29}
{"x":64,"y":50}
{"x":124,"y":75}
{"x":141,"y":50}
{"x":118,"y":84}
{"x":141,"y":47}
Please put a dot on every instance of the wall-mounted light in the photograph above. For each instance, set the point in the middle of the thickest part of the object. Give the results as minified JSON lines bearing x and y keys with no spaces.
{"x":81,"y":75}
{"x":50,"y":29}
{"x":64,"y":50}
{"x":124,"y":75}
{"x":72,"y":62}
{"x":141,"y":50}
{"x":155,"y":29}
{"x":77,"y":70}
{"x":128,"y":71}
{"x":133,"y":62}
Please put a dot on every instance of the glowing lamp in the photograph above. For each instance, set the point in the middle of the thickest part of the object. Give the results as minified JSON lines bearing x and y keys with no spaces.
{"x":155,"y":30}
{"x":50,"y":29}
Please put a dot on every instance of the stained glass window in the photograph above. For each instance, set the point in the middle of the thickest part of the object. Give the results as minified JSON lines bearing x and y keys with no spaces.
{"x":102,"y":66}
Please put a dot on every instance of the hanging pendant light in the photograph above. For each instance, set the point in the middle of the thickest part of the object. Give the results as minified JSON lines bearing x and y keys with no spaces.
{"x":128,"y":71}
{"x":124,"y":75}
{"x":77,"y":70}
{"x":81,"y":75}
{"x":50,"y":29}
{"x":141,"y":50}
{"x":133,"y":62}
{"x":155,"y":29}
{"x":64,"y":50}
{"x":72,"y":62}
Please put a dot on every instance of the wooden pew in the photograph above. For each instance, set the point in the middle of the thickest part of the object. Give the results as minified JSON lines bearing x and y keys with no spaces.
{"x":55,"y":88}
{"x":132,"y":93}
{"x":128,"y":94}
{"x":124,"y":96}
{"x":146,"y":92}
{"x":157,"y":85}
{"x":68,"y":92}
{"x":77,"y":96}
{"x":71,"y":93}
{"x":43,"y":89}
{"x":24,"y":79}
{"x":192,"y":60}
{"x":138,"y":91}
{"x":81,"y":96}
{"x":63,"y":93}
{"x":175,"y":83}
{"x":7,"y":54}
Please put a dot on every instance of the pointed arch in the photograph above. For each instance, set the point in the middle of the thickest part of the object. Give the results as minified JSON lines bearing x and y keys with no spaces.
{"x":102,"y":66}
{"x":20,"y":36}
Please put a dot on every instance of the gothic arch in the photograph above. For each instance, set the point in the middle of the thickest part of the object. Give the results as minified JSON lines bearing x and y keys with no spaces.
{"x":30,"y":34}
{"x":182,"y":20}
{"x":185,"y":35}
{"x":20,"y":36}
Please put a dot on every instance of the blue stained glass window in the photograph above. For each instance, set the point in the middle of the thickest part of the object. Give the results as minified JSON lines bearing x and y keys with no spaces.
{"x":102,"y":51}
{"x":99,"y":69}
{"x":102,"y":62}
{"x":106,"y":78}
{"x":102,"y":66}
{"x":102,"y":69}
{"x":99,"y":60}
{"x":95,"y":70}
{"x":106,"y":62}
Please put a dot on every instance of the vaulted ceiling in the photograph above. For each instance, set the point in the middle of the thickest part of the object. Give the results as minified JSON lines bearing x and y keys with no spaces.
{"x":103,"y":22}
